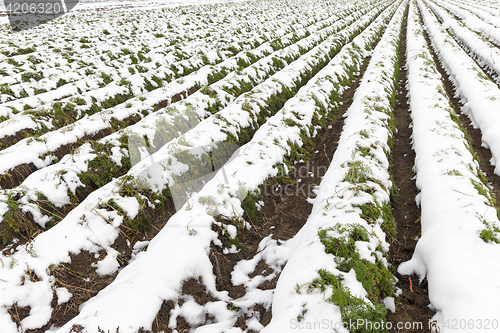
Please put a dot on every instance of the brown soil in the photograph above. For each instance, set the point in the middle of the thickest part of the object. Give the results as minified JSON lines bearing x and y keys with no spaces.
{"x":176,"y":97}
{"x":10,"y":140}
{"x":191,"y":287}
{"x":15,"y":176}
{"x":411,"y":306}
{"x":18,"y":314}
{"x":80,"y":279}
{"x":20,"y":226}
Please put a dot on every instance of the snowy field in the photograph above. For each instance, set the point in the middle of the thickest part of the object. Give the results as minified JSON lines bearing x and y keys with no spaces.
{"x":232,"y":166}
{"x":106,"y":5}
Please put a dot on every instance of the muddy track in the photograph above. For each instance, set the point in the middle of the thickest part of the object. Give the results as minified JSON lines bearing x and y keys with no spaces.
{"x":412,"y":305}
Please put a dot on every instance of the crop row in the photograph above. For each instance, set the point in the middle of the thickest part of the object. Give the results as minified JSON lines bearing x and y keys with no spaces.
{"x":475,"y":23}
{"x":138,"y":106}
{"x":144,"y":75}
{"x":483,"y":52}
{"x":124,"y":62}
{"x":184,"y":85}
{"x":459,"y":220}
{"x":486,"y":13}
{"x":344,"y":242}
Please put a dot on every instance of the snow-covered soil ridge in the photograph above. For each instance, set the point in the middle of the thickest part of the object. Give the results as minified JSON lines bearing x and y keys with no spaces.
{"x":459,"y":215}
